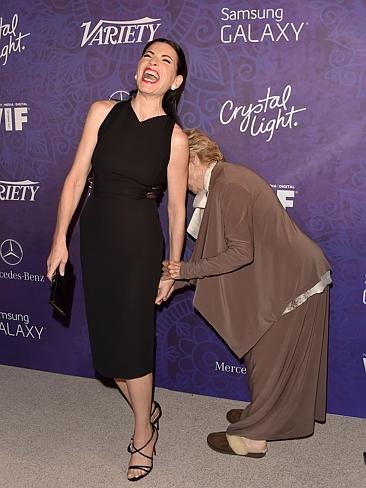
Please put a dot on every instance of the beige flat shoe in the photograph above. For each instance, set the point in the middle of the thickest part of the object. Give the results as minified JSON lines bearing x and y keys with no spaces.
{"x":239,"y":446}
{"x":218,"y":441}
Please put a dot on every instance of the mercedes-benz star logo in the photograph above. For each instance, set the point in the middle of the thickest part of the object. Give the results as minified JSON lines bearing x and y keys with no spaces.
{"x":11,"y":252}
{"x":120,"y":95}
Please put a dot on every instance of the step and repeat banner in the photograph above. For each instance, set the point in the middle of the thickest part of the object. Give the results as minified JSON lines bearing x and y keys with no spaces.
{"x":279,"y":84}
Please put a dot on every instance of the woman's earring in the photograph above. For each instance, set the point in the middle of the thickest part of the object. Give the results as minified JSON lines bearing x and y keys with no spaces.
{"x":135,"y":77}
{"x":173,"y":87}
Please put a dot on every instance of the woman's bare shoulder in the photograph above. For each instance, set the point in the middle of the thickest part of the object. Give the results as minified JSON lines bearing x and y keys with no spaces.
{"x":101,"y":108}
{"x":179,"y":138}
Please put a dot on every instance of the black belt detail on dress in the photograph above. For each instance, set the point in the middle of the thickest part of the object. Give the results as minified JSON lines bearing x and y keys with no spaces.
{"x":116,"y":190}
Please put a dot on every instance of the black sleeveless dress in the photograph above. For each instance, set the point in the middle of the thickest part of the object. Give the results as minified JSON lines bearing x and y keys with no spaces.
{"x":121,"y":241}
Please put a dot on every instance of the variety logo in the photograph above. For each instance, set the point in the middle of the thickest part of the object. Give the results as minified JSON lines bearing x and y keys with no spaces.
{"x":12,"y":39}
{"x":19,"y":190}
{"x":244,"y":26}
{"x":229,"y":368}
{"x":11,"y":252}
{"x":13,"y":115}
{"x":285,"y":194}
{"x":265,"y":116}
{"x":18,"y":325}
{"x":119,"y":31}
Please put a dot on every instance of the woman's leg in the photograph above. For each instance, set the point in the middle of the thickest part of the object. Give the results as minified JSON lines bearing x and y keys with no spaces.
{"x":138,"y":392}
{"x":122,"y":385}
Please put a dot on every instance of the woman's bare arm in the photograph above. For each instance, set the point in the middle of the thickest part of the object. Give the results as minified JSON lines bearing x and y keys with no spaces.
{"x":74,"y":184}
{"x":177,"y":190}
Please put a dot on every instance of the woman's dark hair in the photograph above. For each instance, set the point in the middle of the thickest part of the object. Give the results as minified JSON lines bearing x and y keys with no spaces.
{"x":171,"y":97}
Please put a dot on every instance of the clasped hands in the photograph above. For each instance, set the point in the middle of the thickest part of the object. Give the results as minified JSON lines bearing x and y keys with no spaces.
{"x":171,"y":272}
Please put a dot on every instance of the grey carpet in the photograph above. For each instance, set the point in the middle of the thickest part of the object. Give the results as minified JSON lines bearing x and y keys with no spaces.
{"x":64,"y":432}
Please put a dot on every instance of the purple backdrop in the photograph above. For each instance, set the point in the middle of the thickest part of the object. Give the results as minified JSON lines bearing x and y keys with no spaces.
{"x":280,"y":85}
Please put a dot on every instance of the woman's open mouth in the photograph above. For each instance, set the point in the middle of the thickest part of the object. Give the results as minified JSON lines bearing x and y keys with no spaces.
{"x":150,"y":76}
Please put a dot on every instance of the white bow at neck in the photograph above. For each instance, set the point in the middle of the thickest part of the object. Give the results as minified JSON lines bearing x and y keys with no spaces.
{"x":199,"y":204}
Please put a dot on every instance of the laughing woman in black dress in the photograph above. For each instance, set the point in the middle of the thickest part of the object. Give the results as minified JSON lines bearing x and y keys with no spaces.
{"x":133,"y":149}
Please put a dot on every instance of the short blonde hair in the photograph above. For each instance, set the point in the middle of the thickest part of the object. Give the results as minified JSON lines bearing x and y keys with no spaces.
{"x":206,"y":149}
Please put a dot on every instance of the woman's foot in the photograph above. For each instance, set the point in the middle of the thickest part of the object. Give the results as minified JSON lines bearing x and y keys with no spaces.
{"x":142,"y":449}
{"x":244,"y":446}
{"x":255,"y":445}
{"x":155,"y":416}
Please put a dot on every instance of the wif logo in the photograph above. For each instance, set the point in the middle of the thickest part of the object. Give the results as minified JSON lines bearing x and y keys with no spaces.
{"x":13,"y":116}
{"x":285,"y":194}
{"x":119,"y":31}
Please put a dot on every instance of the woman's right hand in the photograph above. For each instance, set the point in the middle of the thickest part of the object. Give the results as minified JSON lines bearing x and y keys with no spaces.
{"x":57,"y":259}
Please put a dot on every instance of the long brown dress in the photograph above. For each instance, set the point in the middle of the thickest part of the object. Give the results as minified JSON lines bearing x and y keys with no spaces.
{"x":249,"y":263}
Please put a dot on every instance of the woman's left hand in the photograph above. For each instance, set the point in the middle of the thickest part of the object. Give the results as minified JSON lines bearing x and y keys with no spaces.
{"x":164,"y":291}
{"x":171,"y":270}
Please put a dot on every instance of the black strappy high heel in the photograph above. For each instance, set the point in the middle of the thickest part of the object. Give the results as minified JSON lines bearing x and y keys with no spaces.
{"x":132,"y":450}
{"x":156,"y":415}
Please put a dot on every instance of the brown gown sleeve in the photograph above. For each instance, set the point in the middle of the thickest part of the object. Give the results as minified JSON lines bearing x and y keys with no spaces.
{"x":235,"y":206}
{"x":179,"y":284}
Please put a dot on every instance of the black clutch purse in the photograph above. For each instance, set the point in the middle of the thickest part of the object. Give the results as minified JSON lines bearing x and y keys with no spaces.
{"x":62,"y":290}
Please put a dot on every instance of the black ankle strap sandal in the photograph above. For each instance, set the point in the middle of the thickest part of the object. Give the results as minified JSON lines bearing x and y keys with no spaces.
{"x":133,"y":450}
